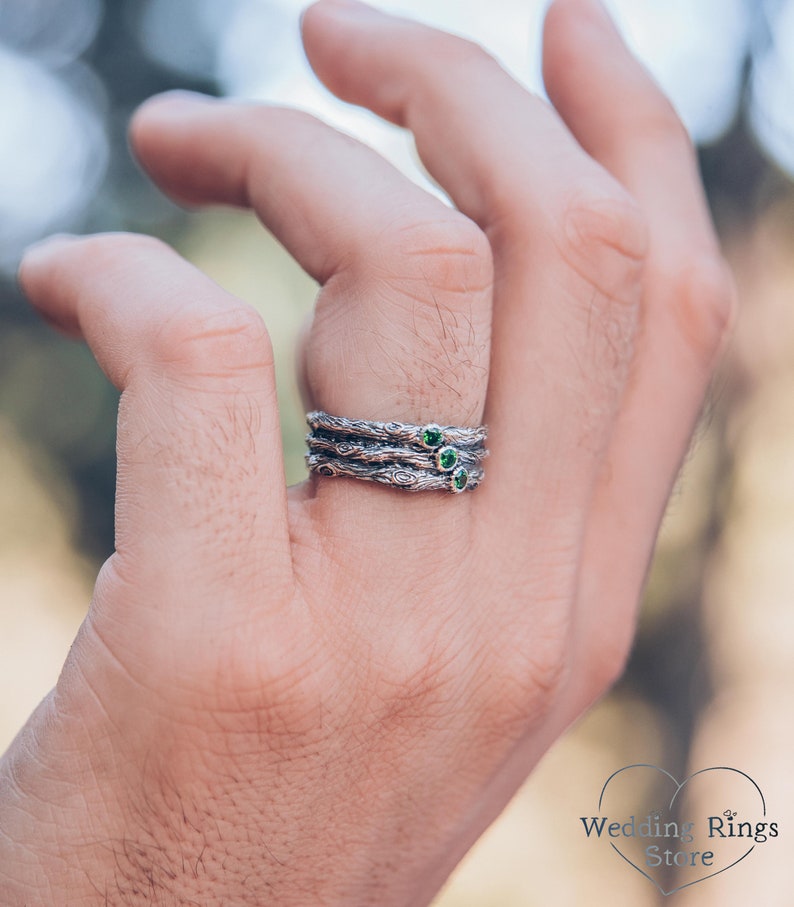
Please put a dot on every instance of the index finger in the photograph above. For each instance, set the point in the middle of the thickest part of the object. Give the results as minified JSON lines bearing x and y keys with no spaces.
{"x":199,"y":443}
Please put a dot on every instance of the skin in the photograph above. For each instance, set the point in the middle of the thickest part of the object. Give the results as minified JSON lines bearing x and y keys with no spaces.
{"x":325,"y":694}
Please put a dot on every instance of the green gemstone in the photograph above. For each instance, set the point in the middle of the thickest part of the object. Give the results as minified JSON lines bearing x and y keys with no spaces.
{"x":432,"y":437}
{"x":460,"y":480}
{"x":447,"y":458}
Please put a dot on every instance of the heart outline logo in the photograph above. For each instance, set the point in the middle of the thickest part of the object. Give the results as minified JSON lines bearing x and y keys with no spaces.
{"x":679,"y":786}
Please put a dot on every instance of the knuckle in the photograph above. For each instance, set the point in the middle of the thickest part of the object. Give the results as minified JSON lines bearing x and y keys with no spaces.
{"x":214,"y":340}
{"x":430,"y":281}
{"x":450,"y":253}
{"x":604,"y":239}
{"x":217,"y":334}
{"x":602,"y":243}
{"x":704,"y":303}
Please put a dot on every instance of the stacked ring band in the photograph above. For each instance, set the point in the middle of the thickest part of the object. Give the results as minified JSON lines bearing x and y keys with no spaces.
{"x":412,"y":457}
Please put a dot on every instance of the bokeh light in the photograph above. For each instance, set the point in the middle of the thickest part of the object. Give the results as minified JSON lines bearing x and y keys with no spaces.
{"x":772,"y":89}
{"x":53,"y":151}
{"x":54,"y":32}
{"x":54,"y":104}
{"x":696,"y":52}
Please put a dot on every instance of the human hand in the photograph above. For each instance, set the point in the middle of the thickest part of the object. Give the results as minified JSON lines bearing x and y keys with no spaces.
{"x":325,"y":695}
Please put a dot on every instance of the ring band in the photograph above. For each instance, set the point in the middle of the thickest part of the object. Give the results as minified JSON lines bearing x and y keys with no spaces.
{"x":398,"y":433}
{"x":445,"y":459}
{"x":411,"y":457}
{"x":397,"y":475}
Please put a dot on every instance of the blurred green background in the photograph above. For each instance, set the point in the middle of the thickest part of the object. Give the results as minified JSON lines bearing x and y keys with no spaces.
{"x":711,"y":676}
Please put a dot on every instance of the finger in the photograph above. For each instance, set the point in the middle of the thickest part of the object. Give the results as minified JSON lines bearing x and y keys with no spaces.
{"x":200,"y":479}
{"x":585,"y":58}
{"x":445,"y":89}
{"x":568,"y":245}
{"x":620,"y":117}
{"x":401,"y":328}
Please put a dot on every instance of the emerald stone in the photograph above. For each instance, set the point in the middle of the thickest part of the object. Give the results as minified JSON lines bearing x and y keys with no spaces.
{"x":447,"y":458}
{"x":432,"y":436}
{"x":460,"y":480}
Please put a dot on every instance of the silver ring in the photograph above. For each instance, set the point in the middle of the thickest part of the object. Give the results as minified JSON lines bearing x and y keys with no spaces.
{"x":428,"y":437}
{"x":444,"y":459}
{"x":427,"y":457}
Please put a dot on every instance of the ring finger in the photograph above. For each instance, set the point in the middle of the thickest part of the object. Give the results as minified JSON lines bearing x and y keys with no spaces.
{"x":401,"y":329}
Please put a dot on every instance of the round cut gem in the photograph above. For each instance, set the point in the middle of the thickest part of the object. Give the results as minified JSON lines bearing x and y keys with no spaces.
{"x":447,"y":458}
{"x":460,"y":480}
{"x":432,"y":436}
